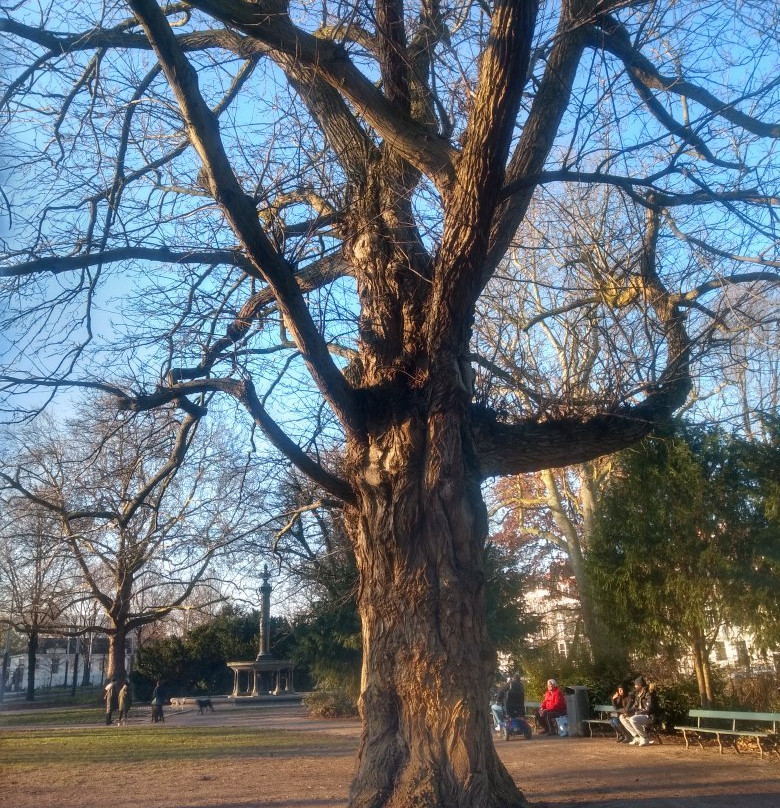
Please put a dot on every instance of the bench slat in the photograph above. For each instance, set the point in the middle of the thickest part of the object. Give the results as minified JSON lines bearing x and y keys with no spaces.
{"x":731,"y":715}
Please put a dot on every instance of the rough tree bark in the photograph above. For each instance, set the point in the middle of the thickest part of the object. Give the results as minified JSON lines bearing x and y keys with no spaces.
{"x":418,"y":528}
{"x":115,"y":667}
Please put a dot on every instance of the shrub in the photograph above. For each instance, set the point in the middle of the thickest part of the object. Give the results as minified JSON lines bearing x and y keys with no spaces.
{"x":675,"y":700}
{"x":329,"y":704}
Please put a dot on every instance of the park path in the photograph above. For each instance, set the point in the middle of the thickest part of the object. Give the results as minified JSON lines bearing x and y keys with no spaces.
{"x":581,"y":772}
{"x":552,"y":772}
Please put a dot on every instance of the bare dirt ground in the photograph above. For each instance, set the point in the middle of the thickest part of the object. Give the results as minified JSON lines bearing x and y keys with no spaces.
{"x":552,"y":772}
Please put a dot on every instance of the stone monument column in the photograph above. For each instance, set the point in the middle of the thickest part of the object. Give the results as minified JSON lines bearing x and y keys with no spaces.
{"x":265,"y":667}
{"x":264,"y":644}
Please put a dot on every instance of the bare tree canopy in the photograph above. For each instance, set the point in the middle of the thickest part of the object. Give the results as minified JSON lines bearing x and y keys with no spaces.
{"x":303,"y":210}
{"x":36,"y":576}
{"x":139,"y":508}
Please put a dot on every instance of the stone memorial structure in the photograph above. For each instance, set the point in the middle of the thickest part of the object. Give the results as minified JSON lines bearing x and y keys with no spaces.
{"x":265,"y":676}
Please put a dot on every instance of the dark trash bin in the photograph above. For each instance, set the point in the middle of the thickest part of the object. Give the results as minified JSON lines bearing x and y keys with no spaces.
{"x":577,"y":708}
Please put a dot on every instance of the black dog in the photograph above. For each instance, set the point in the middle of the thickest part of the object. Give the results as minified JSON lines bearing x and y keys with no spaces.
{"x":203,"y":705}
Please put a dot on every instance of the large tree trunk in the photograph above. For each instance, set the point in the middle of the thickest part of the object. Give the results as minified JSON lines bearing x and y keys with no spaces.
{"x":116,"y":654}
{"x":419,"y":532}
{"x":86,"y":654}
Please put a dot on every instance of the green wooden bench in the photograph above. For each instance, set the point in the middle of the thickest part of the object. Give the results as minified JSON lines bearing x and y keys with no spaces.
{"x":603,"y":711}
{"x":729,"y":726}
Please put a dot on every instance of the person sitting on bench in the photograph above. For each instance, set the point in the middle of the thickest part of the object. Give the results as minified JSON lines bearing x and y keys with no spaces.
{"x":553,"y":706}
{"x":642,"y":712}
{"x":622,"y":700}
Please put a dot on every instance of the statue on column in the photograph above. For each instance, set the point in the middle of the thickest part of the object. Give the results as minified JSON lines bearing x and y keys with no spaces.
{"x":265,"y":662}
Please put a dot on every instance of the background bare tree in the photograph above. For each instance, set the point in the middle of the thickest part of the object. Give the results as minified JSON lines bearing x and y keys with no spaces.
{"x":299,"y":209}
{"x":36,"y":575}
{"x":140,"y":512}
{"x":557,"y":315}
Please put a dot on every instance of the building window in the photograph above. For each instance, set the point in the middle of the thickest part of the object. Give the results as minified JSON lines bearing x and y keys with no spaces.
{"x":742,"y":653}
{"x":720,"y":652}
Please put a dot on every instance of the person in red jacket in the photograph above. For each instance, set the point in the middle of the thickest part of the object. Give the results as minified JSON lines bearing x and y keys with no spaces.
{"x":553,"y":706}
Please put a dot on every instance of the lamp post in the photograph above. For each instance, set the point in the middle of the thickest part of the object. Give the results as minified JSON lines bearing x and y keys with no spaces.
{"x":75,"y":665}
{"x":67,"y":660}
{"x":6,"y":660}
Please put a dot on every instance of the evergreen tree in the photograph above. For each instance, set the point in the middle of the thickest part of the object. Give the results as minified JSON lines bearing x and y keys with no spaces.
{"x":686,"y":540}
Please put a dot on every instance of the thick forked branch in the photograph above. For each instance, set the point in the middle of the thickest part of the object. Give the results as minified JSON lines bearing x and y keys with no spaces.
{"x":240,"y":211}
{"x":417,"y":144}
{"x":539,"y":131}
{"x":480,"y":170}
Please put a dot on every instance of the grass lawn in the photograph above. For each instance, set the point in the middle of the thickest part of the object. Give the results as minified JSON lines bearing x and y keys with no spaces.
{"x":56,"y":715}
{"x":136,"y":744}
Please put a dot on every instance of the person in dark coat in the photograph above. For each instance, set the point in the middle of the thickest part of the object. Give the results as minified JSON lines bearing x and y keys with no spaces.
{"x":514,"y":698}
{"x":644,"y":709}
{"x":158,"y":700}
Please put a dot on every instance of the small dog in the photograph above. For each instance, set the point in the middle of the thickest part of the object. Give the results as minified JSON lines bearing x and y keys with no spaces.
{"x":203,"y":705}
{"x":176,"y":702}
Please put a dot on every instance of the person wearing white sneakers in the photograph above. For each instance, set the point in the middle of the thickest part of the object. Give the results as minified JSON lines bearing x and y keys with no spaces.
{"x":643,"y":708}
